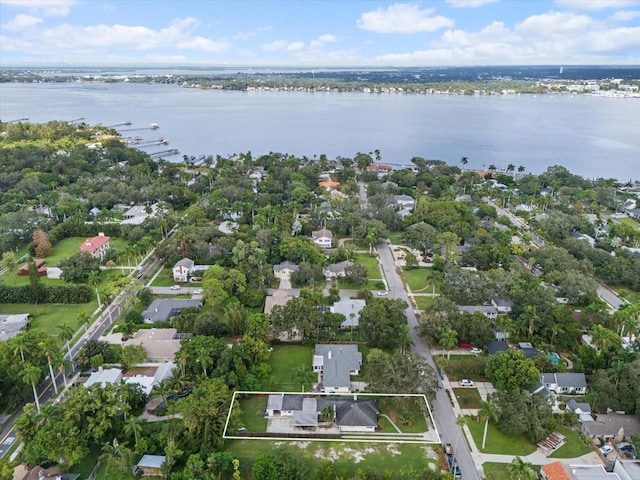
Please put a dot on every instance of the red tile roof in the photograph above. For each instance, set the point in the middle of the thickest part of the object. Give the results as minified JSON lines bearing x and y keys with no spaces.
{"x":94,"y":243}
{"x":555,"y":471}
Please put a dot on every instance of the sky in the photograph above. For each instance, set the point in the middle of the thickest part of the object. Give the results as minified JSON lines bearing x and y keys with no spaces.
{"x":316,"y":33}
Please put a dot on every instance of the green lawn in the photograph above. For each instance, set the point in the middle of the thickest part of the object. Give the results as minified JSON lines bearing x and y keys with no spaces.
{"x":630,"y":221}
{"x":106,"y":473}
{"x":573,"y":447}
{"x":47,"y":317}
{"x":421,"y":280}
{"x":465,"y":366}
{"x":164,"y":278}
{"x":468,"y":397}
{"x":497,"y":442}
{"x":498,"y":471}
{"x":284,"y":359}
{"x":373,"y":269}
{"x":423,"y":302}
{"x":346,"y":457}
{"x":64,"y":249}
{"x":370,"y":285}
{"x":413,"y":422}
{"x":253,"y":409}
{"x":396,"y":238}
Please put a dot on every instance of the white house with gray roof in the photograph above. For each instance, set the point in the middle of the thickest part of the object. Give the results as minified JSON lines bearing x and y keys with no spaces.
{"x":488,"y":311}
{"x":165,"y":309}
{"x":336,"y":270}
{"x":574,"y":383}
{"x":285,"y":269}
{"x":335,"y":363}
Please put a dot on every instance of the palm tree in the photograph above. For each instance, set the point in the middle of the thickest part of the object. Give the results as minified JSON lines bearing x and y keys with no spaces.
{"x":521,"y":169}
{"x":405,"y":338}
{"x":488,"y":411}
{"x":117,"y":454}
{"x":66,"y":334}
{"x":602,"y":338}
{"x":492,"y":168}
{"x":163,"y":388}
{"x":448,"y":340}
{"x":94,"y":281}
{"x":20,"y":343}
{"x":49,"y":351}
{"x":464,"y":160}
{"x":204,"y":359}
{"x":32,"y":375}
{"x":133,"y":426}
{"x":182,"y":359}
{"x":63,"y":364}
{"x":511,"y":167}
{"x":521,"y":470}
{"x":302,"y":375}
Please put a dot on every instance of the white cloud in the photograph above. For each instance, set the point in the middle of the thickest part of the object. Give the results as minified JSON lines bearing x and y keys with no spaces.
{"x":203,"y":44}
{"x":402,"y":18}
{"x":595,"y":4}
{"x":275,"y":46}
{"x":45,"y":7}
{"x":248,"y":35}
{"x":20,"y":22}
{"x":469,"y":3}
{"x":624,"y":15}
{"x":554,"y":23}
{"x":295,"y":46}
{"x":327,"y":38}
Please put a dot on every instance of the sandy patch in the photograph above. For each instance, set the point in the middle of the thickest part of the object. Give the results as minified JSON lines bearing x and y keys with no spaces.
{"x":330,"y":455}
{"x":430,"y":453}
{"x":392,"y":448}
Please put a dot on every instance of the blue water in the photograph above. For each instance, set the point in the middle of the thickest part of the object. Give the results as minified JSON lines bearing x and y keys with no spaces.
{"x":591,"y":136}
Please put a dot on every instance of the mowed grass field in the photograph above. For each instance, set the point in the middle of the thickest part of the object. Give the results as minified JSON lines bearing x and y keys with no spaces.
{"x":284,"y":359}
{"x":47,"y":317}
{"x":497,"y":442}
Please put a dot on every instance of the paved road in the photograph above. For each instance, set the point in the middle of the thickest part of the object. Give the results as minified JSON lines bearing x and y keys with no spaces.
{"x":442,"y":412}
{"x":45,"y":390}
{"x":609,"y":296}
{"x":169,"y":291}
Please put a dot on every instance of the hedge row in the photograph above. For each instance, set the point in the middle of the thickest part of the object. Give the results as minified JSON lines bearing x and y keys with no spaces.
{"x":46,"y":294}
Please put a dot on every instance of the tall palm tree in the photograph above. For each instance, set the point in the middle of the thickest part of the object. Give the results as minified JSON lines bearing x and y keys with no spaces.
{"x":182,"y":358}
{"x":521,"y":169}
{"x":94,"y":281}
{"x":488,"y":411}
{"x":163,"y":388}
{"x":521,"y":470}
{"x":448,"y":340}
{"x":49,"y":351}
{"x":511,"y":167}
{"x":19,"y":343}
{"x":134,"y":426}
{"x":66,"y":334}
{"x":302,"y":375}
{"x":32,"y":375}
{"x":204,"y":359}
{"x":464,"y":160}
{"x":63,"y":365}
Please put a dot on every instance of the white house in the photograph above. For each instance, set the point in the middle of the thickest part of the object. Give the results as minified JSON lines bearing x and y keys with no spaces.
{"x":574,"y":383}
{"x":488,"y":311}
{"x":322,"y":238}
{"x":404,"y":202}
{"x":285,"y":269}
{"x":335,"y":363}
{"x":502,"y":304}
{"x":182,"y":268}
{"x":11,"y":325}
{"x":336,"y":270}
{"x":96,"y":246}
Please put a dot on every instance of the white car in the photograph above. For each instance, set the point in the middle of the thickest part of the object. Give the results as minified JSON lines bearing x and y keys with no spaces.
{"x":475,"y":350}
{"x":175,"y":287}
{"x":465,"y":382}
{"x":382,"y":294}
{"x":605,"y":449}
{"x":197,"y":291}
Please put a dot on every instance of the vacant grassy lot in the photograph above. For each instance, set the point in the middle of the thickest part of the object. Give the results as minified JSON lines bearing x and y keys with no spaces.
{"x":465,"y":366}
{"x":396,"y":238}
{"x":497,"y":442}
{"x":373,"y":270}
{"x":164,"y":278}
{"x":630,"y":221}
{"x":422,"y":302}
{"x":284,"y":359}
{"x":421,"y":280}
{"x":467,"y":397}
{"x":498,"y":471}
{"x":413,"y":421}
{"x":346,"y":457}
{"x":47,"y":317}
{"x":253,"y":409}
{"x":573,"y":447}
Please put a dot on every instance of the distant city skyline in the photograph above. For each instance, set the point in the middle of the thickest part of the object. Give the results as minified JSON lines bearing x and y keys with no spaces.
{"x":314,"y":33}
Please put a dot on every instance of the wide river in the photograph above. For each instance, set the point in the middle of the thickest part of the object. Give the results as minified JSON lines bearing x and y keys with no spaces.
{"x":591,"y":136}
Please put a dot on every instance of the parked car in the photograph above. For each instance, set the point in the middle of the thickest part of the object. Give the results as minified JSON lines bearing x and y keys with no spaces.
{"x":605,"y":449}
{"x":475,"y":350}
{"x":175,"y":287}
{"x":382,"y":294}
{"x":197,"y":291}
{"x":465,"y":382}
{"x":448,"y":449}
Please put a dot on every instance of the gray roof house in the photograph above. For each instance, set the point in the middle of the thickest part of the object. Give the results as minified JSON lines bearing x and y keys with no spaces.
{"x":285,"y":268}
{"x":150,"y":465}
{"x":12,"y":325}
{"x":335,"y":363}
{"x":351,"y":309}
{"x":488,"y":311}
{"x":502,"y":304}
{"x":336,"y":270}
{"x":350,"y":414}
{"x":182,"y":268}
{"x":404,"y":202}
{"x":611,"y":425}
{"x":575,"y":383}
{"x":166,"y":308}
